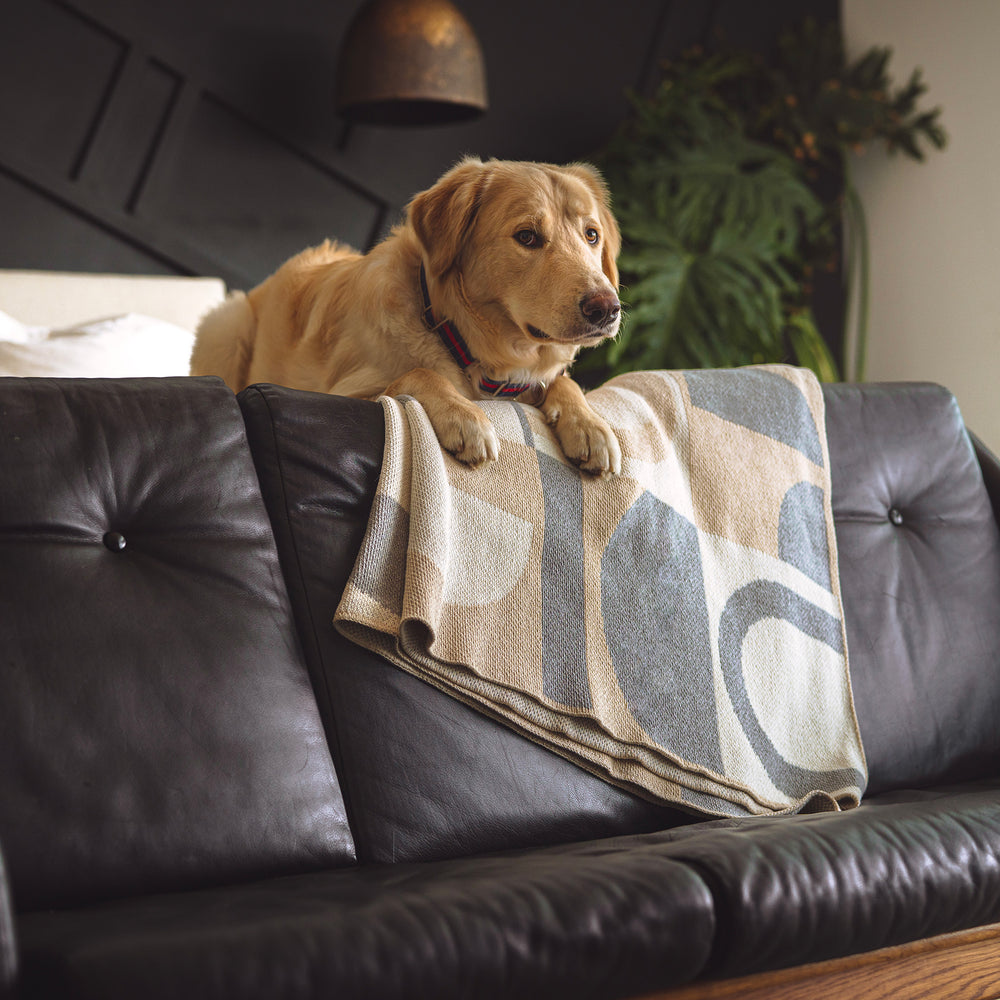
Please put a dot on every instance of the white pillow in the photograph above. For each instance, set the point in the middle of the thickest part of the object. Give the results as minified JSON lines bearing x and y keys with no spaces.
{"x":11,"y":329}
{"x":118,"y":347}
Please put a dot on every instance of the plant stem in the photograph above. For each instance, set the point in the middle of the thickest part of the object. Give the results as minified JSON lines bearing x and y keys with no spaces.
{"x":858,"y":269}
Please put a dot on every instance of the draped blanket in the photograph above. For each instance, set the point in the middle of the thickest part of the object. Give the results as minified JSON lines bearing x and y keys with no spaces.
{"x":677,"y":629}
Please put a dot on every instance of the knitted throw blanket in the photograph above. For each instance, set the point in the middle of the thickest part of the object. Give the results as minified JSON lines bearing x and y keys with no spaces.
{"x":677,"y":629}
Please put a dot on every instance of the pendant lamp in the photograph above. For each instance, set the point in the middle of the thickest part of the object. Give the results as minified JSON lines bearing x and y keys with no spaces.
{"x":410,"y":62}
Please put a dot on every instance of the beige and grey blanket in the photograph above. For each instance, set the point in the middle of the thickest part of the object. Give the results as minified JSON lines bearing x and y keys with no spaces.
{"x":677,"y":629}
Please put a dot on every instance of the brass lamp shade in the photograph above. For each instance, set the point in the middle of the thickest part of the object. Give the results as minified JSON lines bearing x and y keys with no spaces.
{"x":410,"y":62}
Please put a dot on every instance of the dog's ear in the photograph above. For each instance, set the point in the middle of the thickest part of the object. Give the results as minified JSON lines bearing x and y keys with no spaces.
{"x":442,"y":216}
{"x":612,"y":237}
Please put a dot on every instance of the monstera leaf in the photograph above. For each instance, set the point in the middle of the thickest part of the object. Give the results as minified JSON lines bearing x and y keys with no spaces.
{"x":713,"y":226}
{"x":729,"y":181}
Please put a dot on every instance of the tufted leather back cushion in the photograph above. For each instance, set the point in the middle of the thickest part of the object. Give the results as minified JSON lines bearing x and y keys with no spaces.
{"x":919,"y":558}
{"x":424,"y":775}
{"x":157,"y":727}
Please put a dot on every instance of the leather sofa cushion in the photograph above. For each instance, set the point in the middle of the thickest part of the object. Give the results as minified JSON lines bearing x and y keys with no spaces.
{"x":791,"y":890}
{"x":424,"y":776}
{"x":157,"y":727}
{"x":919,"y":555}
{"x":535,"y":928}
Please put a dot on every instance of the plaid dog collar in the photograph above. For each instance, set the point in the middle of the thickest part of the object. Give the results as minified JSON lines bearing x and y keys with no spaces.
{"x":459,"y":350}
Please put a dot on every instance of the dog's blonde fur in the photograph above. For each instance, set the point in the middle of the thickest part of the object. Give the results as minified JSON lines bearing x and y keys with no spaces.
{"x":520,"y":257}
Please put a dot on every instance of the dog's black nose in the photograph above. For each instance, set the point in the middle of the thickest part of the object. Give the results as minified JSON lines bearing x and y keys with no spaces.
{"x":600,"y":308}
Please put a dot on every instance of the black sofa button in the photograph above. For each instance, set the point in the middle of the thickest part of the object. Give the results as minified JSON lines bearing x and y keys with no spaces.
{"x":115,"y":541}
{"x":895,"y":516}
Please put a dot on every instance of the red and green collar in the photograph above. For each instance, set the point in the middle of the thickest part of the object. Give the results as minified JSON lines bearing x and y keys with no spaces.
{"x":459,"y":350}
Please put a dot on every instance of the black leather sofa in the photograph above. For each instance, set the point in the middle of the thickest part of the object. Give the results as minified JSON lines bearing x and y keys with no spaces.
{"x":205,"y":792}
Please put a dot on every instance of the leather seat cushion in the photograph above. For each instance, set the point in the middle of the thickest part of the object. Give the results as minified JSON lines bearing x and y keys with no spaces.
{"x":545,"y":927}
{"x":790,"y":890}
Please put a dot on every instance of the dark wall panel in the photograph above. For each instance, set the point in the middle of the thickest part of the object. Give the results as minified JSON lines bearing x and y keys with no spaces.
{"x":41,"y":233}
{"x":252,"y":200}
{"x":58,"y":70}
{"x":114,"y":163}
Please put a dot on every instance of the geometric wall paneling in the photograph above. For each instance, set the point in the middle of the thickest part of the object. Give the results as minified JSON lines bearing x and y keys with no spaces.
{"x":241,"y":193}
{"x":64,"y":76}
{"x":124,"y":140}
{"x":46,"y":112}
{"x":46,"y":233}
{"x":118,"y":148}
{"x":78,"y":111}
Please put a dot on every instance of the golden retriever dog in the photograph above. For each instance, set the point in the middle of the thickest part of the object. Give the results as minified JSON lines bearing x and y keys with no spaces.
{"x":499,"y":275}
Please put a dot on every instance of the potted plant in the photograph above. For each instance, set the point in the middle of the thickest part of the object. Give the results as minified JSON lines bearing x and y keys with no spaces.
{"x":730,"y":183}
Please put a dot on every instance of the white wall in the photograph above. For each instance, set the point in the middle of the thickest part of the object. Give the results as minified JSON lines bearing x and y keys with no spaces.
{"x":935,"y":226}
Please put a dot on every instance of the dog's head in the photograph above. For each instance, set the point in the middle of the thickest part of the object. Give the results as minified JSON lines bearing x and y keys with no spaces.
{"x":529,"y":249}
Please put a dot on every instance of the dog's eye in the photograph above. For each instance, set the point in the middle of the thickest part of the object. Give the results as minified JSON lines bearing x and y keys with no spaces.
{"x":528,"y":238}
{"x":593,"y":236}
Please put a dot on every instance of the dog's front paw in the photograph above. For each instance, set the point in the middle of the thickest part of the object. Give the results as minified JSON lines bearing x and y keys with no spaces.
{"x":588,"y":441}
{"x":469,"y":436}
